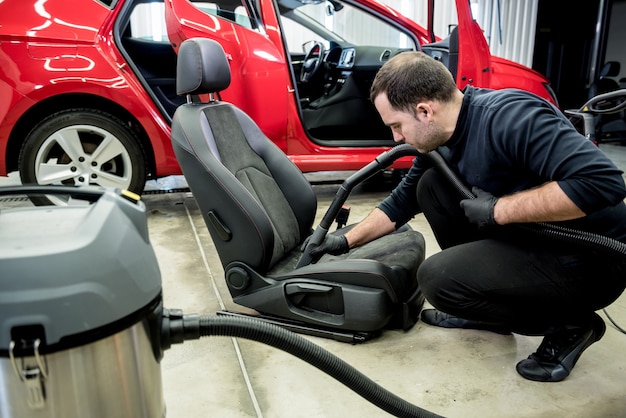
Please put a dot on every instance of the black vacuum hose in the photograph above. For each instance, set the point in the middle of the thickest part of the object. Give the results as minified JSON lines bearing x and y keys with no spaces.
{"x":573,"y":236}
{"x":178,"y":328}
{"x":382,"y":161}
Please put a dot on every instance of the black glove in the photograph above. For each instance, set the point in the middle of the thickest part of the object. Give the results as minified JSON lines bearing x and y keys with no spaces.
{"x":332,"y":244}
{"x":479,"y":211}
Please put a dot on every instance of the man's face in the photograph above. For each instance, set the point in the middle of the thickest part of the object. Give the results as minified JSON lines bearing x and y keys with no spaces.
{"x":417,"y":128}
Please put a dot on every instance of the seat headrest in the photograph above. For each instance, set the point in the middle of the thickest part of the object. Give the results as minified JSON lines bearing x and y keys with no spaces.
{"x":610,"y":69}
{"x":202,"y":67}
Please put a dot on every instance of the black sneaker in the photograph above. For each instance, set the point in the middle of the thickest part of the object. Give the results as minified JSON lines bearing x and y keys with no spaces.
{"x":558,"y":353}
{"x":440,"y":319}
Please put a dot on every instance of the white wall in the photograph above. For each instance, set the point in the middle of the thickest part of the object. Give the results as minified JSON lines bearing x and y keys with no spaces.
{"x":509,"y":26}
{"x":417,"y":10}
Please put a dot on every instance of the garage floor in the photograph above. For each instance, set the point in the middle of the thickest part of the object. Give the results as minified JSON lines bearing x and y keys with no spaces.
{"x":453,"y":373}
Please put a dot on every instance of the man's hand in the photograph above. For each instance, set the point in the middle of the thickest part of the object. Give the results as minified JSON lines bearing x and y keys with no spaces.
{"x":332,"y":244}
{"x":479,"y":211}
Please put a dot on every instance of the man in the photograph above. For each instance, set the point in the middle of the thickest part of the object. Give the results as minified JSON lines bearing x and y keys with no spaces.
{"x":525,"y":163}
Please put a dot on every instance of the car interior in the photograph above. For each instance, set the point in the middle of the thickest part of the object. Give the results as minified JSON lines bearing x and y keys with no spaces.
{"x":341,"y":108}
{"x":446,"y":51}
{"x":259,"y":208}
{"x":333,"y":84}
{"x":153,"y":60}
{"x":147,"y":49}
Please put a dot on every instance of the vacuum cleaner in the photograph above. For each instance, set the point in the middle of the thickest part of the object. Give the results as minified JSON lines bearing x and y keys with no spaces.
{"x":80,"y":301}
{"x":82,"y":323}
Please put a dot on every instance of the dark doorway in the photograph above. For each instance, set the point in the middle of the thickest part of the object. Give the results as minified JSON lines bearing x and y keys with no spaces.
{"x":566,"y":46}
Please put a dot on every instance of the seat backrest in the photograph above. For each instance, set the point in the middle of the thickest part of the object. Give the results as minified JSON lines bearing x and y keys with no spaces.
{"x":453,"y":63}
{"x":605,"y":81}
{"x":255,"y":202}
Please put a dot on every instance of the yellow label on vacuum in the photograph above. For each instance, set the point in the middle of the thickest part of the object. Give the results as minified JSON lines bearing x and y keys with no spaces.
{"x":130,"y":195}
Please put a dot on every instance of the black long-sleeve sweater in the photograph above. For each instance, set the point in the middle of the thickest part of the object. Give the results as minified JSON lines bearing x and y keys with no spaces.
{"x":509,"y":140}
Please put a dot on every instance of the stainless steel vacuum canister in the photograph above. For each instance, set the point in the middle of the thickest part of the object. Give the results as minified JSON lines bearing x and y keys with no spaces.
{"x":80,"y":305}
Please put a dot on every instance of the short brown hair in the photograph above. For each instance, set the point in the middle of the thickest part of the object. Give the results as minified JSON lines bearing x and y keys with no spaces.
{"x":411,"y":77}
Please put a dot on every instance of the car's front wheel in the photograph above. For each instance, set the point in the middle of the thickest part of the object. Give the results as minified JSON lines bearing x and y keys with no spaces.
{"x":82,"y":147}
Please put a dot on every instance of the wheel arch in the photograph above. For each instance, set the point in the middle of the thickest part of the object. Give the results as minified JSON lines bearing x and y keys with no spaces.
{"x":61,"y":102}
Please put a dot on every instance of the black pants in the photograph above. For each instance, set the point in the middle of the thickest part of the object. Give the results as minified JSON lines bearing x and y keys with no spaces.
{"x":509,"y":276}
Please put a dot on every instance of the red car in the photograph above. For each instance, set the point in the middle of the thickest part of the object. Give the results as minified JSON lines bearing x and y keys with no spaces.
{"x":88,"y":87}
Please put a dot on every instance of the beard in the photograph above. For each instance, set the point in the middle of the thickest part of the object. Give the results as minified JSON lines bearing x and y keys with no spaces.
{"x":430,"y":139}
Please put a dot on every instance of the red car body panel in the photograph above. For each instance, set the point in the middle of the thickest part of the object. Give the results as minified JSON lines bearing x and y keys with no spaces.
{"x":508,"y":73}
{"x":65,"y":51}
{"x":63,"y":56}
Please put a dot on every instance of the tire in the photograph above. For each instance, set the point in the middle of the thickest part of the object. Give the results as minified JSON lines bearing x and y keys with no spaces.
{"x":82,"y":147}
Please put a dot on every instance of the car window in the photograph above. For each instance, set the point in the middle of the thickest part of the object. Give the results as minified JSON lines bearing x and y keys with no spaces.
{"x":235,"y":11}
{"x":108,"y":3}
{"x":324,"y":22}
{"x":147,"y":22}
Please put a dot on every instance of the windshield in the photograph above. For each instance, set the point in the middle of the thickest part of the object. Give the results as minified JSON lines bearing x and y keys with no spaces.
{"x":342,"y":24}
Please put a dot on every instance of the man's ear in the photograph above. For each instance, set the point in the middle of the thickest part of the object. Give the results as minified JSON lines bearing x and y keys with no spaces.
{"x":423,"y":111}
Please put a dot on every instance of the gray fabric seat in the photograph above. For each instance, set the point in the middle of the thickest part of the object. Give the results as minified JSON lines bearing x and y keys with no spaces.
{"x":259,"y":208}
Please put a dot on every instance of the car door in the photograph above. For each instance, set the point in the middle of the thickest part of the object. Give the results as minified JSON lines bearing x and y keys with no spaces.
{"x":260,"y":85}
{"x":463,"y":49}
{"x":474,"y":56}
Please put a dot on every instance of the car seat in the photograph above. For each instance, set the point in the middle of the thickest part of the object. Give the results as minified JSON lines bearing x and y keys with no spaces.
{"x":259,"y":208}
{"x":608,"y":126}
{"x":605,"y":81}
{"x":446,"y":51}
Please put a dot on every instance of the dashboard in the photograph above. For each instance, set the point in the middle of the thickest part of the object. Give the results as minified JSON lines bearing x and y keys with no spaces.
{"x":346,"y":60}
{"x":361,"y":58}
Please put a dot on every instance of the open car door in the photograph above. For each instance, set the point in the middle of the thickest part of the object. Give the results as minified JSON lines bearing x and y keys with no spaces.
{"x":236,"y":26}
{"x":464,"y":50}
{"x":474,"y":61}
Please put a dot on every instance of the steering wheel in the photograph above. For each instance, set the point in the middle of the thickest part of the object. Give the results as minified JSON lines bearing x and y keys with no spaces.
{"x":312,"y":62}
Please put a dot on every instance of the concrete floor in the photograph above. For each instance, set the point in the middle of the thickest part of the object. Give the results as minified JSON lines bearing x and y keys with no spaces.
{"x":453,"y":373}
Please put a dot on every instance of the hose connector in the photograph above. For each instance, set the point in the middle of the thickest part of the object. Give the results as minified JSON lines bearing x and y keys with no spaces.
{"x":176,"y":327}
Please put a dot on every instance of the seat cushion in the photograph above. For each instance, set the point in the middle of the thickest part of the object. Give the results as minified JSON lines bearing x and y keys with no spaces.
{"x":403,"y":251}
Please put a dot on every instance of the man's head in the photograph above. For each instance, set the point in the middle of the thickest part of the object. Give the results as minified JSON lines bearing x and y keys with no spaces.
{"x":412,"y":77}
{"x":414,"y":95}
